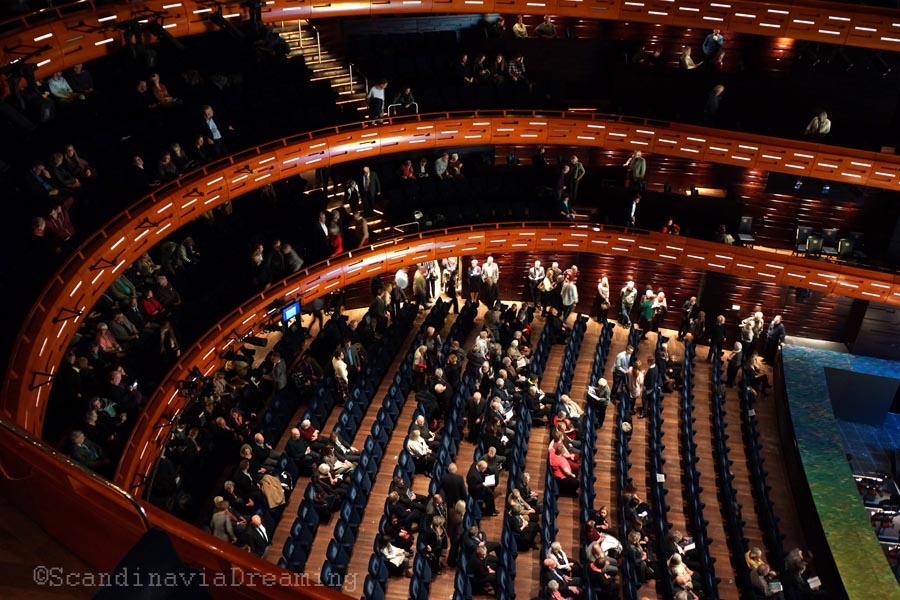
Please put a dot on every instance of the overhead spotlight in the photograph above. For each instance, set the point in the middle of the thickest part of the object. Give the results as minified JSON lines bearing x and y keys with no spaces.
{"x":798,"y":184}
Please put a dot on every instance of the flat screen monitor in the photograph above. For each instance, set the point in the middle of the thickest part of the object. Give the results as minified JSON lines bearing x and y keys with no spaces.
{"x":289,"y":313}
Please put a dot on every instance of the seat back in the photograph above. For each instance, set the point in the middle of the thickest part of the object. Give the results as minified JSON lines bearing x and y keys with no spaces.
{"x":803,"y":232}
{"x":814,"y":244}
{"x":746,"y":225}
{"x":844,"y":247}
{"x":830,"y":237}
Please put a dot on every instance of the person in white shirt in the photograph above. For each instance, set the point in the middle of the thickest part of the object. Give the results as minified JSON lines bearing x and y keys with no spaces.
{"x":421,"y":453}
{"x":61,"y":89}
{"x":375,"y":99}
{"x":520,"y":30}
{"x":535,"y":278}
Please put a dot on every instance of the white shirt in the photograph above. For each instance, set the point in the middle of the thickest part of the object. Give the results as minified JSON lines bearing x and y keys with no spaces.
{"x":376,"y":92}
{"x":491,"y":270}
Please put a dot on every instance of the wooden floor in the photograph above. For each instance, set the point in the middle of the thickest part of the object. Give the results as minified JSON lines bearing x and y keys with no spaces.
{"x":528,"y":563}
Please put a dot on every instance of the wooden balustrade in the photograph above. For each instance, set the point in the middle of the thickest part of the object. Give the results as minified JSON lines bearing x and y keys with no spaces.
{"x":48,"y":330}
{"x":79,"y":509}
{"x":82,"y":32}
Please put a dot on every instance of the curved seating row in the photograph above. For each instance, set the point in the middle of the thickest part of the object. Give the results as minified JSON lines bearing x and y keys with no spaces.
{"x":765,"y":508}
{"x":734,"y":523}
{"x":691,"y":474}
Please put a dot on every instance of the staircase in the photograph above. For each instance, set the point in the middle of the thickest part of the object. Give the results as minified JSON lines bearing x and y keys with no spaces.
{"x":316,"y":48}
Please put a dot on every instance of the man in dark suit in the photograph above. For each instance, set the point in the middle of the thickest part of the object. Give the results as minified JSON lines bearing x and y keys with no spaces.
{"x":257,"y":538}
{"x":651,"y":382}
{"x":716,"y":337}
{"x":370,"y":189}
{"x":689,"y":311}
{"x":453,"y":485}
{"x":478,"y":490}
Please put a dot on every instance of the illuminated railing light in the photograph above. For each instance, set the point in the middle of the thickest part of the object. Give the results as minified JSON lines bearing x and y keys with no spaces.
{"x":240,"y":178}
{"x":706,"y":18}
{"x":801,"y":155}
{"x":790,"y":166}
{"x":109,"y":18}
{"x":43,"y":62}
{"x":170,"y":25}
{"x":849,"y":285}
{"x":664,"y":141}
{"x":164,"y":208}
{"x":106,"y":41}
{"x":616,"y":248}
{"x":869,"y":29}
{"x":695,"y":139}
{"x":833,"y":18}
{"x":718,"y":149}
{"x":859,"y":164}
{"x":880,"y":285}
{"x":629,"y":240}
{"x":168,"y":6}
{"x":772,"y":25}
{"x":43,"y":37}
{"x":771,"y":157}
{"x":669,"y":256}
{"x":209,"y":10}
{"x":695,"y":257}
{"x":618,"y":135}
{"x":596,"y":126}
{"x":657,"y":13}
{"x":645,"y":131}
{"x":688,"y":9}
{"x":637,"y":143}
{"x":774,"y":266}
{"x":871,"y":294}
{"x":778,"y":11}
{"x":829,"y":32}
{"x":853,"y":175}
{"x":716,"y":265}
{"x":743,"y":266}
{"x":745,"y":15}
{"x":647,"y":248}
{"x":889,"y":39}
{"x":481,"y":123}
{"x":883,"y":174}
{"x":826,"y":165}
{"x":585,"y":137}
{"x":692,"y":150}
{"x":674,"y":248}
{"x":804,"y":22}
{"x":744,"y":147}
{"x":735,"y":157}
{"x":717,"y":5}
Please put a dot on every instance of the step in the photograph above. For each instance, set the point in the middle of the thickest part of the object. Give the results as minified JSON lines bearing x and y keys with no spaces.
{"x":335,"y":76}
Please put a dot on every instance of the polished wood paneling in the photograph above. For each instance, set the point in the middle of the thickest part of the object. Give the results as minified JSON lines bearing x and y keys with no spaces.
{"x":75,"y":34}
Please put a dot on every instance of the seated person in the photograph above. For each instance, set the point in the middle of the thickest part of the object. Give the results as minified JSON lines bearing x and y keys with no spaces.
{"x":408,"y":518}
{"x":562,"y":471}
{"x":399,"y":536}
{"x":484,"y":576}
{"x":61,"y":90}
{"x":765,"y":581}
{"x":408,"y":498}
{"x":526,"y":531}
{"x":298,"y":450}
{"x":80,"y":80}
{"x":759,"y":375}
{"x":422,"y":455}
{"x":342,"y":448}
{"x":338,"y":466}
{"x":398,"y":562}
{"x":312,"y":436}
{"x":722,"y":236}
{"x":87,"y":453}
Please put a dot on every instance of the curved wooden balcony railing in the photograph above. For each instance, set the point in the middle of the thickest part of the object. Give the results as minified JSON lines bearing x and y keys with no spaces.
{"x":148,"y":435}
{"x":79,"y":508}
{"x":81,"y":32}
{"x":48,"y":328}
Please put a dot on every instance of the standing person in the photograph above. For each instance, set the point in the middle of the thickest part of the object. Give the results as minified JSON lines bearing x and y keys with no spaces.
{"x":635,"y":386}
{"x":621,"y":368}
{"x":626,"y":302}
{"x":599,"y":396}
{"x":371,"y":189}
{"x":535,"y":278}
{"x":375,"y":99}
{"x":650,"y":383}
{"x":491,"y":270}
{"x":351,"y":194}
{"x":660,"y":308}
{"x":716,"y":337}
{"x":451,"y":288}
{"x":474,"y":278}
{"x":774,"y":339}
{"x":631,"y":217}
{"x":689,"y":311}
{"x":576,"y":174}
{"x":562,"y":183}
{"x":569,"y":297}
{"x":637,"y":168}
{"x":646,"y":314}
{"x":711,"y":46}
{"x":601,"y":302}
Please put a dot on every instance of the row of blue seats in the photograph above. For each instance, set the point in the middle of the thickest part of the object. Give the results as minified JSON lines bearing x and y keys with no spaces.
{"x":734,"y":524}
{"x":765,"y":508}
{"x":295,"y":551}
{"x":550,"y":527}
{"x":375,"y":585}
{"x":340,"y":548}
{"x":658,"y":492}
{"x":691,"y":476}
